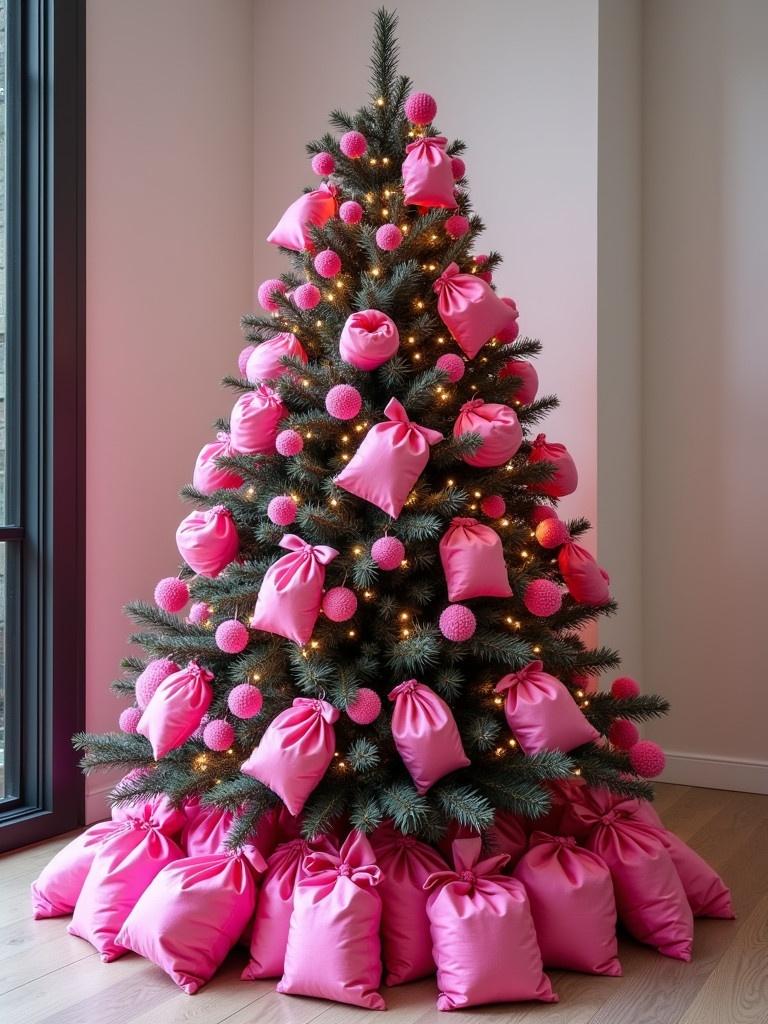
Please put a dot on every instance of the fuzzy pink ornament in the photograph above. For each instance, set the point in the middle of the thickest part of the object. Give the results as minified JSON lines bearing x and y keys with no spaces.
{"x":343,"y":402}
{"x":282,"y":510}
{"x":551,"y":533}
{"x":129,"y":719}
{"x":389,"y":237}
{"x":511,"y":330}
{"x":458,"y":167}
{"x":289,"y":442}
{"x":339,"y":604}
{"x":420,"y":108}
{"x":171,"y":594}
{"x":647,"y":759}
{"x":458,"y":623}
{"x":218,"y":734}
{"x":307,"y":296}
{"x":327,"y":263}
{"x":351,"y":212}
{"x":493,"y":506}
{"x":323,"y":164}
{"x":365,"y":708}
{"x":456,"y":226}
{"x":623,"y":734}
{"x":149,"y":680}
{"x":625,"y":686}
{"x":453,"y":365}
{"x":242,"y":359}
{"x":388,"y":553}
{"x":353,"y":144}
{"x":231,"y":636}
{"x":245,"y":701}
{"x":542,"y":512}
{"x":542,"y":598}
{"x":266,"y":291}
{"x":199,"y":613}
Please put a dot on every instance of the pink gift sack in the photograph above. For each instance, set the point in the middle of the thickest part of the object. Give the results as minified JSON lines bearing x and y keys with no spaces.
{"x":566,"y":477}
{"x":572,"y":903}
{"x":205,"y":829}
{"x":295,"y":751}
{"x":207,"y":540}
{"x":209,"y":477}
{"x":292,"y":590}
{"x":425,"y":734}
{"x":483,"y":935}
{"x":55,"y":891}
{"x":264,"y":363}
{"x":310,"y":209}
{"x":176,"y":708}
{"x":529,"y":379}
{"x":470,"y":309}
{"x":427,"y":174}
{"x":541,"y":713}
{"x":587,"y":583}
{"x":368,"y":339}
{"x":255,"y":421}
{"x":389,"y":461}
{"x":507,"y":835}
{"x":473,"y":561}
{"x":333,"y":950}
{"x":406,"y":864}
{"x":498,"y":426}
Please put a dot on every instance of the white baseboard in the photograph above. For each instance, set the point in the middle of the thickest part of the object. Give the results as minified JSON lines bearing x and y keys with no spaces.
{"x":716,"y":772}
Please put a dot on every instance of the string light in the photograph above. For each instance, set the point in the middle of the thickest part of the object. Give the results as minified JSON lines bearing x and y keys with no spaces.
{"x":375,"y":272}
{"x":304,"y":382}
{"x":577,"y":771}
{"x":498,"y":701}
{"x":380,"y":101}
{"x":314,"y":644}
{"x":512,"y":743}
{"x":385,"y":160}
{"x":579,"y":693}
{"x":351,"y":634}
{"x":537,"y":649}
{"x":385,"y":212}
{"x":387,"y":193}
{"x":500,"y":751}
{"x":373,"y":161}
{"x":330,"y":297}
{"x":357,"y":551}
{"x":333,"y":503}
{"x":367,"y":594}
{"x":256,"y":677}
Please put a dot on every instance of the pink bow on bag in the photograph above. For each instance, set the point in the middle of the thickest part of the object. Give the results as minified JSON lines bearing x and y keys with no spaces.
{"x":208,"y":541}
{"x":473,"y":561}
{"x":498,"y":426}
{"x":265,"y":362}
{"x":425,"y":734}
{"x":470,"y":309}
{"x":427,"y":174}
{"x":587,"y":582}
{"x":312,"y":209}
{"x":176,"y":708}
{"x":208,"y":476}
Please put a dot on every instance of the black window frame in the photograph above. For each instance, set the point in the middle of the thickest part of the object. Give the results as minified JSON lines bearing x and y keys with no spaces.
{"x":45,"y":372}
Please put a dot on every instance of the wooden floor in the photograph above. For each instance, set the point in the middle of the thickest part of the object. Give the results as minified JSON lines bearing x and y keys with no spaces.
{"x":47,"y":975}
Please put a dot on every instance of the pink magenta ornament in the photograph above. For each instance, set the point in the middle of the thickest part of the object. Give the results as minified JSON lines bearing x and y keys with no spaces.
{"x":343,"y":402}
{"x":129,"y":719}
{"x":365,"y":708}
{"x":339,"y":604}
{"x":353,"y":145}
{"x":647,"y":759}
{"x":420,"y":108}
{"x":218,"y":734}
{"x":255,"y":419}
{"x":526,"y":390}
{"x":566,"y":477}
{"x":542,"y":598}
{"x":493,"y":506}
{"x":497,"y":425}
{"x":208,"y":476}
{"x":551,"y":533}
{"x":427,"y":174}
{"x":289,"y":442}
{"x":327,"y":263}
{"x":587,"y":583}
{"x":266,"y":292}
{"x":149,"y":680}
{"x":171,"y":594}
{"x":388,"y":553}
{"x":473,"y":561}
{"x":242,"y":358}
{"x":458,"y":167}
{"x":176,"y":708}
{"x":389,"y":237}
{"x":456,"y":226}
{"x":368,"y":339}
{"x":245,"y":701}
{"x":312,"y":209}
{"x":541,"y":512}
{"x":458,"y":623}
{"x":425,"y":734}
{"x":323,"y":164}
{"x":282,"y":510}
{"x":625,"y":686}
{"x":451,"y":364}
{"x":351,"y":212}
{"x":231,"y":636}
{"x":266,"y":360}
{"x":623,"y":734}
{"x":307,"y":296}
{"x":208,"y":540}
{"x":470,"y":309}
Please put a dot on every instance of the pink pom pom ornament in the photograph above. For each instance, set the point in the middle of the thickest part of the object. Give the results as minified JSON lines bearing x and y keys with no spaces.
{"x":647,"y":759}
{"x":199,"y":614}
{"x":623,"y":734}
{"x":551,"y":533}
{"x":289,"y":442}
{"x":624,"y":686}
{"x":218,"y":734}
{"x":420,"y":108}
{"x":231,"y":636}
{"x":388,"y":553}
{"x":453,"y":365}
{"x":389,"y":237}
{"x":542,"y":598}
{"x":171,"y":594}
{"x":458,"y":623}
{"x":456,"y":226}
{"x":307,"y":296}
{"x":353,"y":145}
{"x":267,"y":290}
{"x":129,"y":719}
{"x":458,"y":167}
{"x":365,"y":708}
{"x":282,"y":510}
{"x":343,"y":402}
{"x":493,"y":506}
{"x":542,"y":512}
{"x":323,"y":164}
{"x":245,"y":701}
{"x":351,"y":212}
{"x":339,"y":604}
{"x":327,"y":263}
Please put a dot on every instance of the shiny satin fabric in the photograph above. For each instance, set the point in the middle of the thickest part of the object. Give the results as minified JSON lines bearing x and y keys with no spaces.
{"x":265,"y":362}
{"x":312,"y":209}
{"x":566,"y":477}
{"x":368,"y":339}
{"x":57,"y":887}
{"x":528,"y":387}
{"x":176,"y":708}
{"x":425,"y":734}
{"x":472,"y":557}
{"x":208,"y":540}
{"x":496,"y":424}
{"x":470,"y":309}
{"x":255,"y":420}
{"x":427,"y":174}
{"x":208,"y":476}
{"x":587,"y":583}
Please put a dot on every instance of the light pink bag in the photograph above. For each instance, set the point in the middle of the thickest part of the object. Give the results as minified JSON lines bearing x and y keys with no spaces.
{"x":292,"y":590}
{"x":572,"y":903}
{"x":498,"y":426}
{"x":368,"y":339}
{"x":55,"y":891}
{"x":529,"y":379}
{"x":264,"y":363}
{"x":389,"y":461}
{"x":333,"y":950}
{"x":310,"y":209}
{"x":176,"y":708}
{"x":566,"y":477}
{"x":295,"y":751}
{"x":483,"y":936}
{"x":207,"y":476}
{"x":473,"y":561}
{"x":587,"y":583}
{"x":255,"y":421}
{"x":427,"y":174}
{"x":541,"y":713}
{"x":207,"y":540}
{"x":425,"y":734}
{"x":470,"y":309}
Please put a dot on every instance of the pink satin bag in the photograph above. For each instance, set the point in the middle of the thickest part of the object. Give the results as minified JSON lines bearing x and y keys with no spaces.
{"x":389,"y":461}
{"x":483,"y":937}
{"x":470,"y":309}
{"x":56,"y":889}
{"x":473,"y":561}
{"x":176,"y":708}
{"x":207,"y":540}
{"x":295,"y":751}
{"x":208,"y":476}
{"x":292,"y":590}
{"x":405,"y":864}
{"x":312,"y":209}
{"x":507,"y":835}
{"x":264,"y":363}
{"x":529,"y":379}
{"x":368,"y":339}
{"x":205,"y":829}
{"x":425,"y":734}
{"x":572,"y":903}
{"x":566,"y":477}
{"x":541,"y":713}
{"x":333,"y":950}
{"x":427,"y":174}
{"x":498,"y":426}
{"x":255,"y":421}
{"x":587,"y":583}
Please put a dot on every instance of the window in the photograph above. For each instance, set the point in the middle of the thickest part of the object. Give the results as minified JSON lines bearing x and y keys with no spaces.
{"x":41,"y":415}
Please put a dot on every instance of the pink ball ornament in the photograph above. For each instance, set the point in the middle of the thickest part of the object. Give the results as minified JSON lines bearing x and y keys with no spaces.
{"x":458,"y":167}
{"x":623,"y":734}
{"x":420,"y":108}
{"x":266,"y":291}
{"x":389,"y":237}
{"x":219,"y":734}
{"x":307,"y":296}
{"x":542,"y":598}
{"x":647,"y":759}
{"x":282,"y":510}
{"x":323,"y":164}
{"x":542,"y":512}
{"x":551,"y":533}
{"x":289,"y":442}
{"x":340,"y":604}
{"x":353,"y":144}
{"x":458,"y":623}
{"x":129,"y":719}
{"x":351,"y":212}
{"x":327,"y":263}
{"x":453,"y":365}
{"x":365,"y":708}
{"x":149,"y":680}
{"x":456,"y":226}
{"x":231,"y":636}
{"x":242,"y":359}
{"x":624,"y":686}
{"x":245,"y":701}
{"x":388,"y":553}
{"x":171,"y":594}
{"x":493,"y":506}
{"x":343,"y":402}
{"x":199,"y":614}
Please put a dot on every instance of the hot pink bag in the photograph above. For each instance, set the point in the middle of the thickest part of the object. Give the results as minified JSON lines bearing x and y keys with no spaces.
{"x":427,"y":174}
{"x":572,"y":903}
{"x":264,"y":363}
{"x":310,"y":209}
{"x":55,"y":891}
{"x":207,"y":540}
{"x":483,"y":936}
{"x":541,"y":713}
{"x":587,"y":583}
{"x":255,"y":421}
{"x":389,"y":460}
{"x":207,"y":476}
{"x":368,"y":339}
{"x":529,"y":379}
{"x":292,"y":590}
{"x":176,"y":708}
{"x":295,"y":751}
{"x":473,"y":561}
{"x":205,"y":829}
{"x":566,"y":477}
{"x":425,"y":734}
{"x":470,"y":309}
{"x":498,"y":426}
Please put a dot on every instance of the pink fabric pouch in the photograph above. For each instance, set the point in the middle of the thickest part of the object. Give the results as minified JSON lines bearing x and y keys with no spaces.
{"x":473,"y":561}
{"x":295,"y":751}
{"x":207,"y":540}
{"x":333,"y":950}
{"x":541,"y":713}
{"x":587,"y":583}
{"x":470,"y":309}
{"x":483,"y":937}
{"x":389,"y":461}
{"x":427,"y":174}
{"x":205,"y":829}
{"x":292,"y":590}
{"x":526,"y":391}
{"x":255,"y":420}
{"x":368,"y":339}
{"x":425,"y":734}
{"x":572,"y":903}
{"x":497,"y":425}
{"x":566,"y":477}
{"x":312,"y":209}
{"x":176,"y":708}
{"x":55,"y":891}
{"x":507,"y":835}
{"x":208,"y":476}
{"x":264,"y":363}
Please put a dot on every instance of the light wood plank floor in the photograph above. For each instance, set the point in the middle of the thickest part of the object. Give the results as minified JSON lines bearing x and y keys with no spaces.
{"x":49,"y":976}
